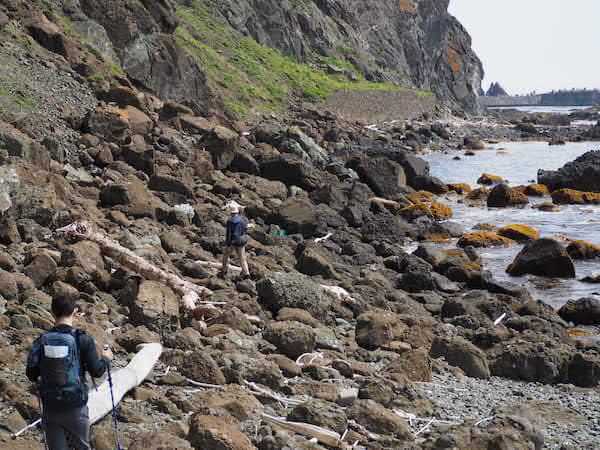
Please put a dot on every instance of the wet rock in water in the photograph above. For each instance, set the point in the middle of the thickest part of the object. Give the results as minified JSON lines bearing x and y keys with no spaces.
{"x":473,"y":143}
{"x":320,"y":413}
{"x":546,"y":207}
{"x":433,"y":210}
{"x":573,"y":197}
{"x":582,"y":174}
{"x":490,"y":179}
{"x":536,"y":190}
{"x":519,"y":232}
{"x":502,"y":196}
{"x":223,"y":433}
{"x":585,"y":311}
{"x":583,"y":250}
{"x":544,"y":257}
{"x":479,"y":194}
{"x":460,"y":188}
{"x":429,"y":184}
{"x":291,"y":338}
{"x":479,"y":239}
{"x":459,"y":352}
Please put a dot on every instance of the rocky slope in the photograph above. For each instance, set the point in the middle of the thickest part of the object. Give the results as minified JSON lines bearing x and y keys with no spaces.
{"x":409,"y":41}
{"x":90,"y":131}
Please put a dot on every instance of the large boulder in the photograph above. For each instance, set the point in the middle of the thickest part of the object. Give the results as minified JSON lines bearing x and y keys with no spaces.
{"x":222,"y":433}
{"x":320,"y":413}
{"x":291,"y":338}
{"x":222,"y":144}
{"x":378,"y":419}
{"x":502,"y":196}
{"x":159,"y":441}
{"x":298,"y":215}
{"x":20,"y":145}
{"x":582,"y":174}
{"x":153,"y":304}
{"x":585,"y":311}
{"x":544,"y":257}
{"x":41,"y":269}
{"x":461,"y":353}
{"x":288,"y":290}
{"x":385,"y":177}
{"x":291,"y":170}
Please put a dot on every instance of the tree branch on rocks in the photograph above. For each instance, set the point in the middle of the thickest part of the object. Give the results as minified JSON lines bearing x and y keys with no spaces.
{"x":323,"y":435}
{"x":190,"y":293}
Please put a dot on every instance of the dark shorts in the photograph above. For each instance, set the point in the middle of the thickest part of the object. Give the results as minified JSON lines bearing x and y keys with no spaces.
{"x":68,"y":429}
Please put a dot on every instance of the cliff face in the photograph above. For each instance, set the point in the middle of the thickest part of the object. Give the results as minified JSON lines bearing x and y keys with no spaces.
{"x":416,"y":42}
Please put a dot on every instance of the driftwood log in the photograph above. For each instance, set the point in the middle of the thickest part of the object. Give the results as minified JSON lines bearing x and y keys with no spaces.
{"x":190,"y":293}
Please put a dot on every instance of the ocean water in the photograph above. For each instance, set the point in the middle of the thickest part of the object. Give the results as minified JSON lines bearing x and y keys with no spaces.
{"x":519,"y":163}
{"x":543,"y":109}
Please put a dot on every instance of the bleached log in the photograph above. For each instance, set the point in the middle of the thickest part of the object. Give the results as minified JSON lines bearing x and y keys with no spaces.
{"x":189,"y":292}
{"x":339,"y":292}
{"x":323,"y":435}
{"x":324,"y":238}
{"x":124,"y":380}
{"x":218,"y":265}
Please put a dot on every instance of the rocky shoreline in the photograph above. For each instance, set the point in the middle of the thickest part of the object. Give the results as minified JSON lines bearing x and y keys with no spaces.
{"x":352,"y":361}
{"x":340,"y":327}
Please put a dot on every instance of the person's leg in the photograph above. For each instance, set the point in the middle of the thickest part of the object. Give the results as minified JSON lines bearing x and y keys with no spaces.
{"x":55,"y":436}
{"x":225,"y":267}
{"x":241,"y":251}
{"x":78,"y":429}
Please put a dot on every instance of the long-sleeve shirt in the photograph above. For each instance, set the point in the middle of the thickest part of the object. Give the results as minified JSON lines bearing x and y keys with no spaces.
{"x":89,"y":359}
{"x":236,"y":228}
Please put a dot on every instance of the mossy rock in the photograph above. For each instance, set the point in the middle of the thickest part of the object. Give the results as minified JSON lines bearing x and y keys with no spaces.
{"x":573,"y":197}
{"x":484,"y":239}
{"x":460,"y":188}
{"x":519,"y":232}
{"x":583,"y":250}
{"x":490,"y":179}
{"x":536,"y":190}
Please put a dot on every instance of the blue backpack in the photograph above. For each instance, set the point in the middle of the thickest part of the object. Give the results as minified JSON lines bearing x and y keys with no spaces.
{"x":62,"y":382}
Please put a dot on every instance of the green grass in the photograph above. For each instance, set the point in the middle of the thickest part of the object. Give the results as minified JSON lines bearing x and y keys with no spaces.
{"x":253,"y":78}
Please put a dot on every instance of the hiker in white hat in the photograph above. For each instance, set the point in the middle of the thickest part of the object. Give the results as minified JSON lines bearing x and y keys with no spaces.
{"x":236,"y":238}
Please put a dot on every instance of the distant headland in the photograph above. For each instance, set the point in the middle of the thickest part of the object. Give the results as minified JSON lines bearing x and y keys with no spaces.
{"x":497,"y":96}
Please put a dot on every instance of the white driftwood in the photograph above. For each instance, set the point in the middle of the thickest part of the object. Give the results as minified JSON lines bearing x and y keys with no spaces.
{"x":499,"y":320}
{"x":324,"y":238}
{"x":339,"y":292}
{"x":218,"y":265}
{"x":124,"y":380}
{"x":323,"y":435}
{"x":189,"y":292}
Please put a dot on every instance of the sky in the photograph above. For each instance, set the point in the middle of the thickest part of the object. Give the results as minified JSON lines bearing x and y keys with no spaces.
{"x":539,"y":45}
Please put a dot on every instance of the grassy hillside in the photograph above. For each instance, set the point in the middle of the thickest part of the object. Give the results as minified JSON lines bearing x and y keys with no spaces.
{"x":253,"y":78}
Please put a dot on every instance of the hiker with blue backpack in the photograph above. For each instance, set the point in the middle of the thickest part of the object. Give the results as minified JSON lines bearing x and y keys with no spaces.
{"x":57,"y":363}
{"x":236,"y":239}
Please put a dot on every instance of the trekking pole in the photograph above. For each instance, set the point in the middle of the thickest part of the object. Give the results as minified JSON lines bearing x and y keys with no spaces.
{"x":42,"y":421}
{"x":26,"y":429}
{"x":114,"y":410}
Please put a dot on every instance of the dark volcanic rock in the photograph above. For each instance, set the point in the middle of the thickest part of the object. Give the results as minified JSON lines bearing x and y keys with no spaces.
{"x":385,"y":177}
{"x":461,"y":353}
{"x":585,"y":311}
{"x":544,"y":257}
{"x":582,"y":174}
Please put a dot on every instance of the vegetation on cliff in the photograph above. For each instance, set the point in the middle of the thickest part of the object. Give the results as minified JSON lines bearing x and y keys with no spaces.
{"x":255,"y":78}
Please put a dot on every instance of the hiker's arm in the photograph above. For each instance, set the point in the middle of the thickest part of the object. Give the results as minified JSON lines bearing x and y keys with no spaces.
{"x":95,"y":365}
{"x":33,"y":363}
